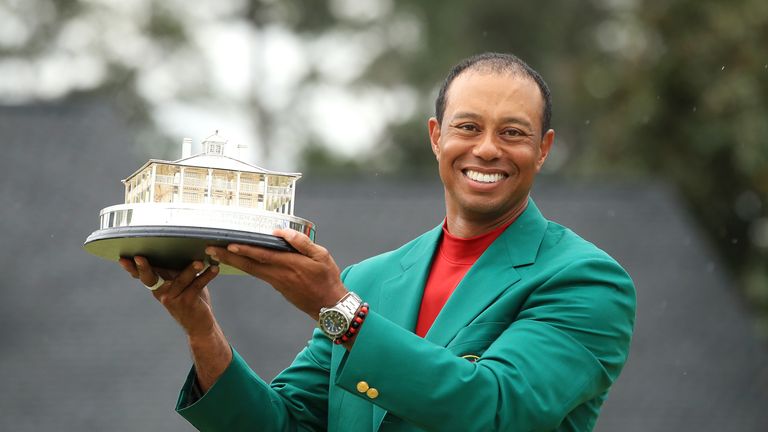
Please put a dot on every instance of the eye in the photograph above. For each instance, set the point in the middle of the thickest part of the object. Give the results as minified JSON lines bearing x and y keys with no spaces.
{"x":512,"y":132}
{"x":466,"y":127}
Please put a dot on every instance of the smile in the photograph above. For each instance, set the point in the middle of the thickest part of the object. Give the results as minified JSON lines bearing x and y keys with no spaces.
{"x":484,"y":177}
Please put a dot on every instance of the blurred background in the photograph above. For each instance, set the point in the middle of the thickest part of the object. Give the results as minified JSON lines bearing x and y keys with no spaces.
{"x":661,"y":158}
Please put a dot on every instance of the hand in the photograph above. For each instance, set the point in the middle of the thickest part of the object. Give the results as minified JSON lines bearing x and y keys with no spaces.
{"x":310,"y":279}
{"x":184,"y":294}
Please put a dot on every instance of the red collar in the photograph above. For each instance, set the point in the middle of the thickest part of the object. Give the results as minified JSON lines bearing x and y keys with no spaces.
{"x":467,"y":250}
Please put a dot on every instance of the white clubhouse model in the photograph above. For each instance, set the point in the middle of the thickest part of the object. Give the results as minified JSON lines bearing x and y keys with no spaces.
{"x":173,"y":209}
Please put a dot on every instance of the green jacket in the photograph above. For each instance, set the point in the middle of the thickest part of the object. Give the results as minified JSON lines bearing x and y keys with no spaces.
{"x":548,"y":315}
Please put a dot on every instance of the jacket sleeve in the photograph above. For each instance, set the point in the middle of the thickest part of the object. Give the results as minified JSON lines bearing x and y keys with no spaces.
{"x":566,"y":346}
{"x":240,"y":400}
{"x":296,"y":400}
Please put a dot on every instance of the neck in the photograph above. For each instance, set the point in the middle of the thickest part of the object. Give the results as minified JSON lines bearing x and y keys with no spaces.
{"x":467,"y":226}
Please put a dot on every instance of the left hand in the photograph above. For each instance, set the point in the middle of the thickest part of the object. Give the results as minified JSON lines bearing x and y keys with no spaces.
{"x":184,"y":293}
{"x":310,"y":279}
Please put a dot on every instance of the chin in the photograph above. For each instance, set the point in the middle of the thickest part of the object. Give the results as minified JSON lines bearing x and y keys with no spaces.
{"x":486,"y":210}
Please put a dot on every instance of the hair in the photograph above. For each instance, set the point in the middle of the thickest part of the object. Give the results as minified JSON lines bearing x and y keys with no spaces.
{"x":497,"y":63}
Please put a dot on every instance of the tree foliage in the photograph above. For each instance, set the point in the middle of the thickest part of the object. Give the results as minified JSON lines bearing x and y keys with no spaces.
{"x":676,"y":90}
{"x":690,"y":106}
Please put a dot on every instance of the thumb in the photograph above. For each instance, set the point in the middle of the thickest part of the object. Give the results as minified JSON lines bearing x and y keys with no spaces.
{"x":299,"y":241}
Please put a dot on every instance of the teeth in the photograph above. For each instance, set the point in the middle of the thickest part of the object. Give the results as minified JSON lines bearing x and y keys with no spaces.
{"x":484,"y":178}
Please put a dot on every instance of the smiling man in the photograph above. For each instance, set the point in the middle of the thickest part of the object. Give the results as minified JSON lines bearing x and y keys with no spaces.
{"x":495,"y":320}
{"x":490,"y":138}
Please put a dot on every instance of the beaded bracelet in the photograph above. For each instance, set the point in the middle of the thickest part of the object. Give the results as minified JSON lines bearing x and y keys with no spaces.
{"x":354,"y":326}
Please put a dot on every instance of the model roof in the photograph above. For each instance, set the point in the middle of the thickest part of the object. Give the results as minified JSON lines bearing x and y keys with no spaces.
{"x":204,"y":160}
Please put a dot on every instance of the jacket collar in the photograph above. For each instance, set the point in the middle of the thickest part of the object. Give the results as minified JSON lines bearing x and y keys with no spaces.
{"x":493,"y":272}
{"x":491,"y":275}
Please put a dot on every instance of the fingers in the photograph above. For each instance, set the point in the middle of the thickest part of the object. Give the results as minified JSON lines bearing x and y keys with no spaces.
{"x":128,"y":265}
{"x":302,"y":244}
{"x":299,"y":241}
{"x":175,"y":282}
{"x":245,"y":258}
{"x":184,"y":279}
{"x":201,"y":281}
{"x":189,"y":289}
{"x":258,"y":254}
{"x":147,"y":275}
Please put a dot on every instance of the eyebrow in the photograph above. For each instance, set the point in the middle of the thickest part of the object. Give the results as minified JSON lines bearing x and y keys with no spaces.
{"x":473,"y":116}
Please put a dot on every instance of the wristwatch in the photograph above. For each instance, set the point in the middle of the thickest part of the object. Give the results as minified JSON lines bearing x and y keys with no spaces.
{"x":335,"y":320}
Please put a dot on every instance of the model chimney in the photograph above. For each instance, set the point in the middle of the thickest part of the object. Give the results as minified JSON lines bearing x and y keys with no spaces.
{"x":240,"y":149}
{"x":186,"y":148}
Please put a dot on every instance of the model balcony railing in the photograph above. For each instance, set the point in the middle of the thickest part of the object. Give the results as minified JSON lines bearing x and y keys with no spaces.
{"x":164,"y":179}
{"x":252,"y":188}
{"x":223,"y":184}
{"x":279,"y":191}
{"x":195,"y":182}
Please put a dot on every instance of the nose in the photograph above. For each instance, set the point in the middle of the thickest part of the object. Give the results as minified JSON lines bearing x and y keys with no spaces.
{"x":487,"y":148}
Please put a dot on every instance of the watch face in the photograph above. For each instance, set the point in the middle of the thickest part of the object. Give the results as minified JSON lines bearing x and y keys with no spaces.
{"x":333,"y":323}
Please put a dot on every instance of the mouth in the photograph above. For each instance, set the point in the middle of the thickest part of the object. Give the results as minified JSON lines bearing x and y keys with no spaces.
{"x":481,"y":177}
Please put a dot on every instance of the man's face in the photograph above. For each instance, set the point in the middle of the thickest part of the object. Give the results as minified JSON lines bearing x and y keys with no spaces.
{"x":490,"y":145}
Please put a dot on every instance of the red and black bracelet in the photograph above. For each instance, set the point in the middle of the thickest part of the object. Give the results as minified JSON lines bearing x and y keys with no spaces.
{"x":355,"y":325}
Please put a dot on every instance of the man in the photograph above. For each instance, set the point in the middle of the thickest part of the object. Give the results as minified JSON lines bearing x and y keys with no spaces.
{"x":496,"y":320}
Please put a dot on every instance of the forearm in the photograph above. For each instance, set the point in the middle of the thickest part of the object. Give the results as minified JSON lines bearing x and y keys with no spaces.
{"x":211,"y":354}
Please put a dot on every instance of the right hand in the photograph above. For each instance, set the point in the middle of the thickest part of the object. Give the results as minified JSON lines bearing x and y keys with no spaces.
{"x":184,"y":293}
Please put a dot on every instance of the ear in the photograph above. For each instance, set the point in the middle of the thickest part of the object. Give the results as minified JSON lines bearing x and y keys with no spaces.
{"x":544,"y":147}
{"x":434,"y":135}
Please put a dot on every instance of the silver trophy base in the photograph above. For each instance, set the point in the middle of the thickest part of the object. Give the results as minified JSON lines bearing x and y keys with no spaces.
{"x":173,"y":235}
{"x":172,"y":247}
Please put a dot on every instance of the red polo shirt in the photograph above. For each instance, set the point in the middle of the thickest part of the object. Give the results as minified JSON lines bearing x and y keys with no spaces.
{"x":453,"y":260}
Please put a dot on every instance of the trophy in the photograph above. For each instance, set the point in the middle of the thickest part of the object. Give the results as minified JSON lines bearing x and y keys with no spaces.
{"x":173,"y":210}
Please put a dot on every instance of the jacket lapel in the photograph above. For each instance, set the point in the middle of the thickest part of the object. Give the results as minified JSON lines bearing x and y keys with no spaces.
{"x":400,"y":297}
{"x":491,"y":275}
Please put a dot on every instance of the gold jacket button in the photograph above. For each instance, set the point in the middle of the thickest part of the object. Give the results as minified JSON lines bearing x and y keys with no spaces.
{"x":362,"y":386}
{"x":372,"y":393}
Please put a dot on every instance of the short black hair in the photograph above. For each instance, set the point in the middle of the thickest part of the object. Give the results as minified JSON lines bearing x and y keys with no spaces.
{"x":498,"y":63}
